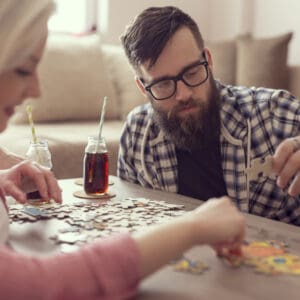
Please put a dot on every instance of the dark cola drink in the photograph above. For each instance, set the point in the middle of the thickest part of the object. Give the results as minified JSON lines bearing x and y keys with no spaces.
{"x":35,"y":195}
{"x":96,"y":173}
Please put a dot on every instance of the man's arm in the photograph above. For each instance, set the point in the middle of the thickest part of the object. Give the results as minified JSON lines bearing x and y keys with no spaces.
{"x":126,"y":168}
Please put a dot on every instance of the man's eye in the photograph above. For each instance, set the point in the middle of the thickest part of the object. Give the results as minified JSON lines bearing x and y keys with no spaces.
{"x":164,"y":84}
{"x":23,"y":73}
{"x":194,"y":71}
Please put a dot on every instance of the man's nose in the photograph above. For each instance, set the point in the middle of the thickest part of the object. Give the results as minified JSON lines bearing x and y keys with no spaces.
{"x":183,"y":92}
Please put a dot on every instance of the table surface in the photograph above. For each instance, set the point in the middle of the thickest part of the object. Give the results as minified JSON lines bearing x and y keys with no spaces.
{"x":219,"y":282}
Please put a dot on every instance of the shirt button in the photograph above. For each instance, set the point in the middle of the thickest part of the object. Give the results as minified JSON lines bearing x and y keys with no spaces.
{"x":154,"y":181}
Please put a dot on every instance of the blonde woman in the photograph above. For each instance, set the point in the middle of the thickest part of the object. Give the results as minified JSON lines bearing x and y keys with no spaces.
{"x":21,"y":47}
{"x":110,"y":268}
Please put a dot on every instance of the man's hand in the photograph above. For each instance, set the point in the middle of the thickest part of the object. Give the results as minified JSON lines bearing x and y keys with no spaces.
{"x":286,"y":165}
{"x":42,"y":178}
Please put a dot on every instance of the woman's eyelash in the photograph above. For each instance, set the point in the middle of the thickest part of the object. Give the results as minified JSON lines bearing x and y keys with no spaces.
{"x":22,"y":72}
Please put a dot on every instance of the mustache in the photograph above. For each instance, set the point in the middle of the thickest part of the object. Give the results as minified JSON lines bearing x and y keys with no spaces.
{"x":181,"y":106}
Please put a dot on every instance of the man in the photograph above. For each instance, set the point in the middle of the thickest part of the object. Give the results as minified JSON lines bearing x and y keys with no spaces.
{"x":200,"y":138}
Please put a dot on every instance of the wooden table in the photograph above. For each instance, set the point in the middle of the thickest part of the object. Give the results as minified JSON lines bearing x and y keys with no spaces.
{"x":219,"y":282}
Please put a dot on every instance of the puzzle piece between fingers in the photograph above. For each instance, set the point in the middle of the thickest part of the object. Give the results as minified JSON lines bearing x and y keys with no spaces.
{"x":259,"y":167}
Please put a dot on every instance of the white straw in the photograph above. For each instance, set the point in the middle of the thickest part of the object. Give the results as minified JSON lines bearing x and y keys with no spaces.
{"x":102,"y":117}
{"x":34,"y":137}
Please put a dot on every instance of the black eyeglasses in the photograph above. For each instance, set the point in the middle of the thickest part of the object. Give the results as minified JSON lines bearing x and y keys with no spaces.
{"x":193,"y":75}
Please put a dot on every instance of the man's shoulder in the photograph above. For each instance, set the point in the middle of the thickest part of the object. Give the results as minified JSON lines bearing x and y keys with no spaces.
{"x":245,"y":99}
{"x":139,"y":118}
{"x":141,"y":112}
{"x":140,"y":122}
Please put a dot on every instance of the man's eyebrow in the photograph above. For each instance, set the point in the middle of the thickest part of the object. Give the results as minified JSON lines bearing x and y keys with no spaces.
{"x":165,"y":77}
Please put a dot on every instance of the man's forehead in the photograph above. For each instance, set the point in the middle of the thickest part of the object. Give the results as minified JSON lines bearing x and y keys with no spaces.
{"x":180,"y":51}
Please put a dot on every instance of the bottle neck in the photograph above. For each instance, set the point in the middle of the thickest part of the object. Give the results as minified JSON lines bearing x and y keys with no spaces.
{"x":96,"y":145}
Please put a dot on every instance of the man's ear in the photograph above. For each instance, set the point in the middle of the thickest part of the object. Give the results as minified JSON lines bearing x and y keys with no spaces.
{"x":208,"y":57}
{"x":140,"y":86}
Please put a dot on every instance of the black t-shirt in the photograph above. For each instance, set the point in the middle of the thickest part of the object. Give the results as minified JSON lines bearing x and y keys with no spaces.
{"x":200,"y":173}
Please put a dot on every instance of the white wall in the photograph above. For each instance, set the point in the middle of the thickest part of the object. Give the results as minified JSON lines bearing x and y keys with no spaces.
{"x":119,"y":13}
{"x":217,"y":19}
{"x":272,"y":17}
{"x":228,"y":18}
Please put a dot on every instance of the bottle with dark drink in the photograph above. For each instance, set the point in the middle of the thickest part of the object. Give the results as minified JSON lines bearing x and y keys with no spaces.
{"x":39,"y":152}
{"x":95,"y":167}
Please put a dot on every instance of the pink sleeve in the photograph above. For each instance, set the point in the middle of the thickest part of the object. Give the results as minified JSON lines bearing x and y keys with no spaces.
{"x":107,"y":269}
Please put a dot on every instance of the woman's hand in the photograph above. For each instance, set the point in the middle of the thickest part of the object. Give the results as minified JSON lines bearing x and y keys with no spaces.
{"x":218,"y":222}
{"x":42,"y":178}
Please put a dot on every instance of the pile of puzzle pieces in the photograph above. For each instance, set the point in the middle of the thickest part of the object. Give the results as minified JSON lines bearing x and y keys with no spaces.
{"x":85,"y":221}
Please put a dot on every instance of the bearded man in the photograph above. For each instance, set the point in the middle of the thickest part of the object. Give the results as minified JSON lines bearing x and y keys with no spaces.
{"x":200,"y":138}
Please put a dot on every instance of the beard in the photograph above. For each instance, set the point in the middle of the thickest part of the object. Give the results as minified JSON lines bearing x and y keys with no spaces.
{"x":197,"y":131}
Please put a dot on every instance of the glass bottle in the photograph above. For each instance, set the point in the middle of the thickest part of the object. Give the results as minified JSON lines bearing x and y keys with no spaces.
{"x":40,"y":153}
{"x":95,"y":166}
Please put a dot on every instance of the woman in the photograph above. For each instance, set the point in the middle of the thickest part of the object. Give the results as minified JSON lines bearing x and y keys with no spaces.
{"x":18,"y":81}
{"x":18,"y":37}
{"x":112,"y":267}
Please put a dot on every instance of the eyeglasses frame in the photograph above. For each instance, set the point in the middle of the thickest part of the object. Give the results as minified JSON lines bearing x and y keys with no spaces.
{"x":177,"y":78}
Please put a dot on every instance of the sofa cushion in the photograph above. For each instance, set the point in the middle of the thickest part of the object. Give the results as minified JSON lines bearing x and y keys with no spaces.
{"x":122,"y":75}
{"x":74,"y":80}
{"x":294,"y":80}
{"x":263,"y":61}
{"x":67,"y":141}
{"x":224,"y":60}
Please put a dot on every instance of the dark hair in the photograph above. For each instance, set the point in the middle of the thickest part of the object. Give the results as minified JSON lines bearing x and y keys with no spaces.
{"x":145,"y":38}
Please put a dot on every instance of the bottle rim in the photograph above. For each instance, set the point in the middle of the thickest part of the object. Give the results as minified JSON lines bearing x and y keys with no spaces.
{"x":39,"y":142}
{"x":96,"y":138}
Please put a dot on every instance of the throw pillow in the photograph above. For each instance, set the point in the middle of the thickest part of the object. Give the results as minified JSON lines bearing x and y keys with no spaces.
{"x":123,"y":78}
{"x":224,"y":60}
{"x":263,"y":61}
{"x":73,"y":82}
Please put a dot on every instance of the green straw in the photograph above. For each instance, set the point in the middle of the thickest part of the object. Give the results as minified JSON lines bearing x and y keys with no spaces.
{"x":29,"y":113}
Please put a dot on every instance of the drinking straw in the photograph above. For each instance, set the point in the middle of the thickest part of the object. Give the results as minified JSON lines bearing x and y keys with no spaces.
{"x":102,"y":117}
{"x":101,"y":122}
{"x":29,"y":113}
{"x":34,"y":138}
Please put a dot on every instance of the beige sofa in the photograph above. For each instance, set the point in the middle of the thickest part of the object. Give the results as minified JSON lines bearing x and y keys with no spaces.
{"x":77,"y":72}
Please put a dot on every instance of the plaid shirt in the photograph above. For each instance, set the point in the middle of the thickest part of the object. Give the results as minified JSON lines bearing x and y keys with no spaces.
{"x":263,"y":117}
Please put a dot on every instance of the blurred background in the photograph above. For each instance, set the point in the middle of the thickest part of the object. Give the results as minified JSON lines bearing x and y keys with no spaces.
{"x":219,"y":20}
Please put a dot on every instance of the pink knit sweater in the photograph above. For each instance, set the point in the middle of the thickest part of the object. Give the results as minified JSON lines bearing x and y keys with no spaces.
{"x":107,"y":269}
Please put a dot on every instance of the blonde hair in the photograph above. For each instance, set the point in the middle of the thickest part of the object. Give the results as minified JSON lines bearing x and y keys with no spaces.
{"x":22,"y":25}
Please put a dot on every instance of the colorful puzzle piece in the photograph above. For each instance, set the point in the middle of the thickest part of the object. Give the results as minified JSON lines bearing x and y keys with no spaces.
{"x":267,"y":257}
{"x":186,"y":265}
